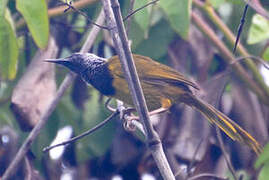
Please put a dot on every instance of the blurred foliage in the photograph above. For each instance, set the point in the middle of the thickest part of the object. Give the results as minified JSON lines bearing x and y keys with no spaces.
{"x":35,"y":14}
{"x":258,"y":30}
{"x":154,"y":31}
{"x":178,"y":14}
{"x":143,"y":17}
{"x":266,"y":54}
{"x":9,"y":48}
{"x":263,"y":163}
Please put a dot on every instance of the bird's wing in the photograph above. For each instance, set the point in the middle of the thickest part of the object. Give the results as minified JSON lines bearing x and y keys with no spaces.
{"x":150,"y":70}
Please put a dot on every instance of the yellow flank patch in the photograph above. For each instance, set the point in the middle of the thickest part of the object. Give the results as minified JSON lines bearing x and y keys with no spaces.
{"x":166,"y":103}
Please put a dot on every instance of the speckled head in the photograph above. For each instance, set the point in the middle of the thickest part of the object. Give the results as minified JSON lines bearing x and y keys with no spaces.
{"x":79,"y":62}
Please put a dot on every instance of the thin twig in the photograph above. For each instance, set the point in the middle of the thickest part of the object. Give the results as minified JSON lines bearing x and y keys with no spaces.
{"x":70,"y":6}
{"x":208,"y":175}
{"x":225,"y":154}
{"x":57,"y":11}
{"x":256,"y":6}
{"x":98,"y":126}
{"x":260,"y":60}
{"x":194,"y":156}
{"x":240,"y":27}
{"x":93,"y":33}
{"x":108,"y":106}
{"x":228,"y":57}
{"x":263,"y":90}
{"x":138,"y":9}
{"x":120,"y":40}
{"x":43,"y":119}
{"x":28,"y":169}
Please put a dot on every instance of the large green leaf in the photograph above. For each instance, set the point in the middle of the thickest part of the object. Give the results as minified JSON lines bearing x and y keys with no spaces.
{"x":3,"y":4}
{"x":97,"y":143}
{"x":178,"y":14}
{"x":36,"y":16}
{"x":142,"y":17}
{"x":258,"y":30}
{"x":157,"y":43}
{"x":8,"y":50}
{"x":136,"y":34}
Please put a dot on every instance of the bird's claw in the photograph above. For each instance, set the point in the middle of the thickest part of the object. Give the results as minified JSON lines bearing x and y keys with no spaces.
{"x":127,"y":117}
{"x":126,"y":111}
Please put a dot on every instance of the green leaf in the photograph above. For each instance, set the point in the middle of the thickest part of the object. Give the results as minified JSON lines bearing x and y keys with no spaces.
{"x":36,"y":16}
{"x":217,"y":3}
{"x":136,"y":34}
{"x":9,"y":51}
{"x":156,"y":45}
{"x":6,"y":117}
{"x":97,"y":143}
{"x":258,"y":30}
{"x":265,"y":55}
{"x":8,"y":17}
{"x":81,"y":22}
{"x":263,"y":158}
{"x":3,"y":4}
{"x":264,"y":174}
{"x":178,"y":14}
{"x":142,"y":18}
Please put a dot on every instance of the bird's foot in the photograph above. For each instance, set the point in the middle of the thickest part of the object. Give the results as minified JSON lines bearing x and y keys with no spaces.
{"x":128,"y":119}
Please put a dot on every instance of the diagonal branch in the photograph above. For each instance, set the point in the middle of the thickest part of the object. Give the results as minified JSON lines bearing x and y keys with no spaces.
{"x":118,"y":33}
{"x":228,"y":56}
{"x":90,"y":131}
{"x":44,"y":118}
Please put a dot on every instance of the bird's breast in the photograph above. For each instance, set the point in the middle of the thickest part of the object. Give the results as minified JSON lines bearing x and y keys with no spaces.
{"x":101,"y":79}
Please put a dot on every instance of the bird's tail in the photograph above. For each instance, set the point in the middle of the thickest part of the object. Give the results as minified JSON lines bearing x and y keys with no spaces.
{"x":232,"y":129}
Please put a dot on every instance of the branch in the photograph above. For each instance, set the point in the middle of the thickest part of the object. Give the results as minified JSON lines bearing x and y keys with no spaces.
{"x":59,"y":10}
{"x":98,"y":126}
{"x":70,"y":6}
{"x":120,"y":40}
{"x":204,"y":175}
{"x":138,"y":9}
{"x":225,"y":154}
{"x":44,"y":118}
{"x":255,"y":58}
{"x":212,"y":15}
{"x":240,"y":28}
{"x":32,"y":136}
{"x":228,"y":57}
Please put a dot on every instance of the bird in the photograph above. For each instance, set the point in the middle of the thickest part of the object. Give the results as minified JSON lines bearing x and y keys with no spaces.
{"x":162,"y":86}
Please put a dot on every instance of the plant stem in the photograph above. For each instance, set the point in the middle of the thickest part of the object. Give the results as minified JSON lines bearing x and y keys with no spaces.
{"x":118,"y":33}
{"x":44,"y":118}
{"x":228,"y":57}
{"x":212,"y":15}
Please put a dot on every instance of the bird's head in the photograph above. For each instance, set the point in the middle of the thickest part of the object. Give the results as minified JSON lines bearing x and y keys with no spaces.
{"x":79,"y":62}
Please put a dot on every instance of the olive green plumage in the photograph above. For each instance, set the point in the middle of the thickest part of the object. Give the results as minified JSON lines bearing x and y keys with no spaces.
{"x":162,"y":87}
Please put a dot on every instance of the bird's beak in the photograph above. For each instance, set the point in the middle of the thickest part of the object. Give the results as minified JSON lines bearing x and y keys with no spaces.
{"x":56,"y":61}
